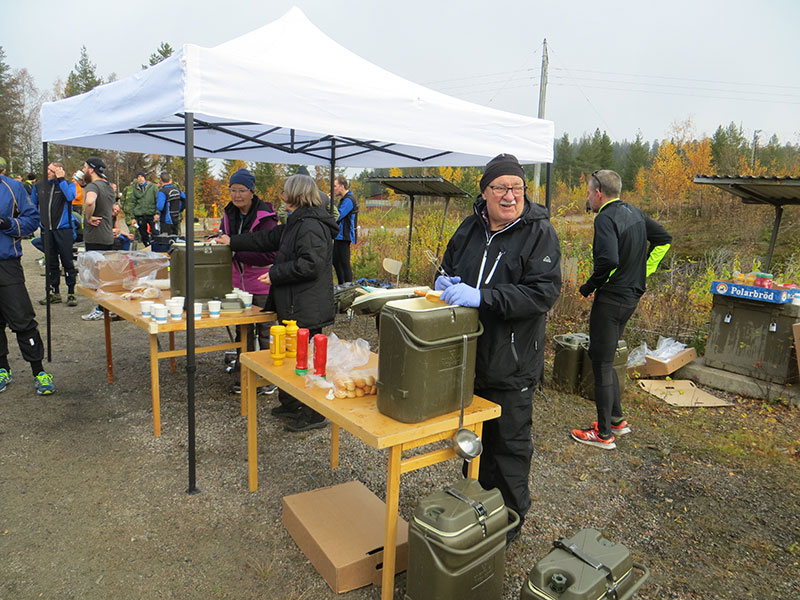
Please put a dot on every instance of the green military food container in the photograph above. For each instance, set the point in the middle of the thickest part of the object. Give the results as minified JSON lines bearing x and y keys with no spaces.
{"x":212,"y":271}
{"x":457,"y":544}
{"x":568,"y":360}
{"x":620,"y":366}
{"x":584,"y":567}
{"x":753,"y":338}
{"x":421,"y":373}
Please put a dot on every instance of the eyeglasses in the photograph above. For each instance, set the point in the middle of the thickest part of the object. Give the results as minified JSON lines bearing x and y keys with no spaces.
{"x":597,"y":179}
{"x":502,"y":190}
{"x":239,"y":192}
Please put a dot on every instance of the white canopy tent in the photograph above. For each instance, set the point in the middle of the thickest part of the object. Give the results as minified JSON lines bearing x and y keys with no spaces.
{"x":287,"y":93}
{"x":284,"y":93}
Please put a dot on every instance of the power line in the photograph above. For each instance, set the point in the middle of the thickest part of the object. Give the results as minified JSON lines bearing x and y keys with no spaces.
{"x":665,"y":93}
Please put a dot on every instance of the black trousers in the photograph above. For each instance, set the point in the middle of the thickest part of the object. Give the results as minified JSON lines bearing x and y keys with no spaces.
{"x":16,"y":312}
{"x":60,"y":248}
{"x":289,"y":401}
{"x":606,"y":324}
{"x":341,"y":261}
{"x":508,"y":448}
{"x":145,"y":221}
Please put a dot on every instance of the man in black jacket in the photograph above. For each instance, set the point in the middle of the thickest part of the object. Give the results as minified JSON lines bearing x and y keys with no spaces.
{"x":628,"y":246}
{"x":505,"y":260}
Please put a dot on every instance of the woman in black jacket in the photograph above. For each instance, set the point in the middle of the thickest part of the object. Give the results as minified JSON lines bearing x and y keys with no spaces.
{"x":301,"y":278}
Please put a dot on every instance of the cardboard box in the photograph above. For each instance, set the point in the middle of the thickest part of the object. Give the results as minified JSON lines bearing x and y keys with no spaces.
{"x":751,"y":292}
{"x":340,"y":529}
{"x":796,"y":331}
{"x":653,"y":367}
{"x":119,"y":271}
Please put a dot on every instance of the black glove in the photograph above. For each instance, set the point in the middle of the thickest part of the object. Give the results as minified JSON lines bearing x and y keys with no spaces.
{"x":585,"y":290}
{"x":5,"y":223}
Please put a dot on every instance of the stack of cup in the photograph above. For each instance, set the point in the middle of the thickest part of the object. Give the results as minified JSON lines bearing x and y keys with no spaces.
{"x":159,"y":312}
{"x":175,"y":306}
{"x":247,"y":298}
{"x":146,"y":306}
{"x":198,"y":311}
{"x":214,"y":307}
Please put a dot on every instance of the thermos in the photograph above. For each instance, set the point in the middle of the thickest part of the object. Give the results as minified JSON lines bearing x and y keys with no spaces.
{"x":277,"y":344}
{"x":301,"y":367}
{"x":320,"y":354}
{"x":291,"y":338}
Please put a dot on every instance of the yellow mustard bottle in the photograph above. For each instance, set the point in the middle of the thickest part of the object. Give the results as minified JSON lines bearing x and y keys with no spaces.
{"x":291,"y":338}
{"x":277,"y":344}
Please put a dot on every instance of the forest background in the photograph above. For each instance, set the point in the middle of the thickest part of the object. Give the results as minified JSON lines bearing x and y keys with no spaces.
{"x":714,"y":233}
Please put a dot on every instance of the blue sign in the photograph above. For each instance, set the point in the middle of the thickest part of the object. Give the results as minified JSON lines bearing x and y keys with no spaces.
{"x":751,"y":292}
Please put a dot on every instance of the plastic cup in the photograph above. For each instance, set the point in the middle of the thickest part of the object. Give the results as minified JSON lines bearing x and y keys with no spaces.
{"x":175,"y":310}
{"x":198,"y":311}
{"x":247,"y":298}
{"x":214,"y":306}
{"x":232,"y":296}
{"x":146,"y":306}
{"x":179,"y":300}
{"x":160,"y":313}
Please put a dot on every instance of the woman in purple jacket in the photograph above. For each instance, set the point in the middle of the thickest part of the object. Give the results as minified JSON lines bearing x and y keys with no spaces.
{"x":246,"y":213}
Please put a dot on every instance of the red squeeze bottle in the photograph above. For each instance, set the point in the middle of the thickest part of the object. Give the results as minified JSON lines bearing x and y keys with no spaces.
{"x":301,"y":368}
{"x":320,"y":354}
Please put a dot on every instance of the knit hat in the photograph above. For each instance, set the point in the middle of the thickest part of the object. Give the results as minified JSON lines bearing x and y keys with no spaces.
{"x":301,"y":170}
{"x":502,"y":164}
{"x":142,"y":173}
{"x":245,"y":178}
{"x":97,"y":164}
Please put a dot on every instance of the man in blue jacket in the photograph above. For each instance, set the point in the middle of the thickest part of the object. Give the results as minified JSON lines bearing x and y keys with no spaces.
{"x":53,"y":198}
{"x":348,"y":229}
{"x":170,"y":203}
{"x":18,"y":218}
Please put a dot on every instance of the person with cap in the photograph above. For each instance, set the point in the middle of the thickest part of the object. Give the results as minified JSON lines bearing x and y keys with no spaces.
{"x":505,"y":260}
{"x":19,"y":217}
{"x":348,"y":229}
{"x":53,"y":197}
{"x":628,"y":246}
{"x":247,"y":213}
{"x":98,"y":218}
{"x":145,"y":206}
{"x":300,"y":279}
{"x":170,"y":202}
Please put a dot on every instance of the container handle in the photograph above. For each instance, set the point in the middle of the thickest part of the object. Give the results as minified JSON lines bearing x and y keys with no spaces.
{"x":477,"y":547}
{"x":420,"y":342}
{"x":635,"y":587}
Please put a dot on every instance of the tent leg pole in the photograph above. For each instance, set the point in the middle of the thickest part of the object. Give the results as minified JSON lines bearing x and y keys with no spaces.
{"x":547,"y":186}
{"x":441,"y":231}
{"x":410,"y":230}
{"x":46,"y":240}
{"x":774,"y":237}
{"x":333,"y":171}
{"x":191,"y":366}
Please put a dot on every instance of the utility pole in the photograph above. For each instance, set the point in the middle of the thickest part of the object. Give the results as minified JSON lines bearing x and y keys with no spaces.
{"x":755,"y":142}
{"x":537,"y":169}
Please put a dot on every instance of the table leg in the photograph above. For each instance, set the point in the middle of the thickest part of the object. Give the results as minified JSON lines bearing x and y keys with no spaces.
{"x":390,"y":536}
{"x":109,"y":362}
{"x":154,"y":384}
{"x":243,"y":383}
{"x":251,"y":395}
{"x":172,"y":347}
{"x":334,"y":446}
{"x":473,"y":467}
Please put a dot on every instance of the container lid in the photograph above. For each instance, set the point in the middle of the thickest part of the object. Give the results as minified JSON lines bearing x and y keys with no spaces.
{"x":571,"y":340}
{"x":447,"y":516}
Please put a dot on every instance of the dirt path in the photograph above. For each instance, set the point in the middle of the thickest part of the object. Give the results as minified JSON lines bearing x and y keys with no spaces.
{"x":92,"y":506}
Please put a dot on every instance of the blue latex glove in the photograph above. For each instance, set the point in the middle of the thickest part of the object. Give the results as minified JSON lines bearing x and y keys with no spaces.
{"x":462,"y":295}
{"x":443,"y":282}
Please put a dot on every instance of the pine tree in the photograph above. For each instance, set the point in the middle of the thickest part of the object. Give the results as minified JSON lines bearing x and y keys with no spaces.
{"x":83,"y":77}
{"x":9,"y":108}
{"x":635,"y":160}
{"x":164,"y":51}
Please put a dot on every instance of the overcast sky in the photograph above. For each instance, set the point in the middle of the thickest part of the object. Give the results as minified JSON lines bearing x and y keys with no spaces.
{"x":623,"y":67}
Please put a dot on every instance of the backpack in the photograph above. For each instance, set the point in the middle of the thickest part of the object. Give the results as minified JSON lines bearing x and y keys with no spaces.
{"x":173,"y":204}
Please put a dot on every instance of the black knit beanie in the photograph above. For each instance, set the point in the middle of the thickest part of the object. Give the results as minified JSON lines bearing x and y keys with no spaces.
{"x":502,"y":164}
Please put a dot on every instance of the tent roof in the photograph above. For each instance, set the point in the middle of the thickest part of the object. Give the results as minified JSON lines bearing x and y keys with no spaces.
{"x":774,"y":191}
{"x":421,"y":186}
{"x":287,"y":93}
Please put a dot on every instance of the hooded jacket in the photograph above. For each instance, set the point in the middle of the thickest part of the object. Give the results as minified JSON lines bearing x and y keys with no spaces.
{"x":145,"y":200}
{"x":518,"y":271}
{"x":302,"y":274}
{"x":18,"y":209}
{"x":249,"y":266}
{"x":57,"y":195}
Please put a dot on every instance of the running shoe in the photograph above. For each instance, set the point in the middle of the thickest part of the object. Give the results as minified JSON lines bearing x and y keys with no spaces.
{"x":44,"y":384}
{"x":5,"y":379}
{"x":620,"y":428}
{"x":591,"y":437}
{"x":71,"y":300}
{"x":95,"y":315}
{"x":54,"y":299}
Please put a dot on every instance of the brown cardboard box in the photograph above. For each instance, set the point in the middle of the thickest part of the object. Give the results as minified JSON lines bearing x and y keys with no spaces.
{"x":654,"y":367}
{"x":119,"y":271}
{"x":796,"y":331}
{"x":340,"y":529}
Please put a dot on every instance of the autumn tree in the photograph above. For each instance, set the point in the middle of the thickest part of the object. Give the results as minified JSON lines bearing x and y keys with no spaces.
{"x":666,"y":179}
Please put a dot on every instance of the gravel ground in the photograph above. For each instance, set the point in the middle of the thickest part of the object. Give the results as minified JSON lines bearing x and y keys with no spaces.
{"x":92,"y":506}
